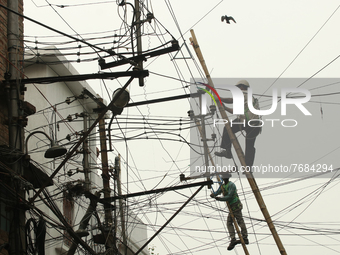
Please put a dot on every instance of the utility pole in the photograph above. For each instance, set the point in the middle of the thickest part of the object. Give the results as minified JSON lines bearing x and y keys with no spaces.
{"x":14,"y":58}
{"x":106,"y":184}
{"x":139,"y":40}
{"x":204,"y":139}
{"x":239,"y":152}
{"x":17,"y":234}
{"x":121,"y":209}
{"x":86,"y":155}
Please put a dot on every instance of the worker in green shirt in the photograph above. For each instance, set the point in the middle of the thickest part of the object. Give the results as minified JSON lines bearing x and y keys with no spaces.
{"x":236,"y":207}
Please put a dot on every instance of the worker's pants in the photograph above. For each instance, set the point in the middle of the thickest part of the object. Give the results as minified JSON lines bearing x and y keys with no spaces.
{"x":251,"y":134}
{"x":239,"y":218}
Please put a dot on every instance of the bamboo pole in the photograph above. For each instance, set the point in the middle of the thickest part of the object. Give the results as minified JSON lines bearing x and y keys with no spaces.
{"x":239,"y":151}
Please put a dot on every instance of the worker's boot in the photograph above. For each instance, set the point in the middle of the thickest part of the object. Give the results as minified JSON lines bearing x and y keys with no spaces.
{"x":232,"y":244}
{"x":224,"y":153}
{"x":245,"y":239}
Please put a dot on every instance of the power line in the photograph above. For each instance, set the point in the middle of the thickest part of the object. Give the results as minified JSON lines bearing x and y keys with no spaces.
{"x":303,"y":50}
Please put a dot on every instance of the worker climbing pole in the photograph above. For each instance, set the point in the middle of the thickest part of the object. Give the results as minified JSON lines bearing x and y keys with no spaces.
{"x":235,"y":206}
{"x":224,"y":189}
{"x":239,"y":152}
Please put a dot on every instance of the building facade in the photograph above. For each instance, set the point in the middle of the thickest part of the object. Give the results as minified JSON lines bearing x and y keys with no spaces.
{"x":11,"y":55}
{"x":63,"y":113}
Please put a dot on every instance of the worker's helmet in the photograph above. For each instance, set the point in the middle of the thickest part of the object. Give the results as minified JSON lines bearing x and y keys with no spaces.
{"x":243,"y":82}
{"x":225,"y":176}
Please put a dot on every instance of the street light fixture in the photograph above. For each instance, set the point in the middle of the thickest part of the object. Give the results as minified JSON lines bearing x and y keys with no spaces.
{"x":121,"y":101}
{"x":54,"y":151}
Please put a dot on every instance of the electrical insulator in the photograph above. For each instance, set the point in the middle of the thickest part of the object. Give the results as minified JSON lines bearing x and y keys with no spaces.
{"x":212,"y":109}
{"x":149,"y":17}
{"x":191,"y":114}
{"x":182,"y":177}
{"x":68,"y":137}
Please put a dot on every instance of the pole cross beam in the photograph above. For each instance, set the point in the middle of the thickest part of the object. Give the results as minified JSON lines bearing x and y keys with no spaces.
{"x":139,"y":58}
{"x":147,"y":192}
{"x":83,"y":77}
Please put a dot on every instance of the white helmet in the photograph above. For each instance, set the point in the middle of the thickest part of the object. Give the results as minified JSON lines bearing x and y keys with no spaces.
{"x":243,"y":82}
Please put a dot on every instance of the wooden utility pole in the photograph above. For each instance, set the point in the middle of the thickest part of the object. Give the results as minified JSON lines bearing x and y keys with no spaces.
{"x":106,"y":183}
{"x":86,"y":156}
{"x":121,"y":209}
{"x":239,"y":152}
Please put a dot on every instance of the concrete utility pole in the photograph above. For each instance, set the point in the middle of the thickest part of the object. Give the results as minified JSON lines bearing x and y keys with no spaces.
{"x":139,"y":39}
{"x":239,"y":152}
{"x":17,"y":234}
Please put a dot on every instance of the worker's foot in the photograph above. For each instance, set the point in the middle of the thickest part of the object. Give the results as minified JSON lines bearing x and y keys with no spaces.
{"x":232,"y":244}
{"x":245,"y":239}
{"x":224,"y":153}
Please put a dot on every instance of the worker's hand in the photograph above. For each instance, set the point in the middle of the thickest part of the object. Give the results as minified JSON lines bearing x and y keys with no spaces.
{"x":212,"y":195}
{"x":218,"y":198}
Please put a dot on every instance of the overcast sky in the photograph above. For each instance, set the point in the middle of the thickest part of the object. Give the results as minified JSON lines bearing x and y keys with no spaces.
{"x":270,"y":40}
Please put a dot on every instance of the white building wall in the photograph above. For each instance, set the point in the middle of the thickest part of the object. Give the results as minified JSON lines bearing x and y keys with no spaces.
{"x":45,"y":119}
